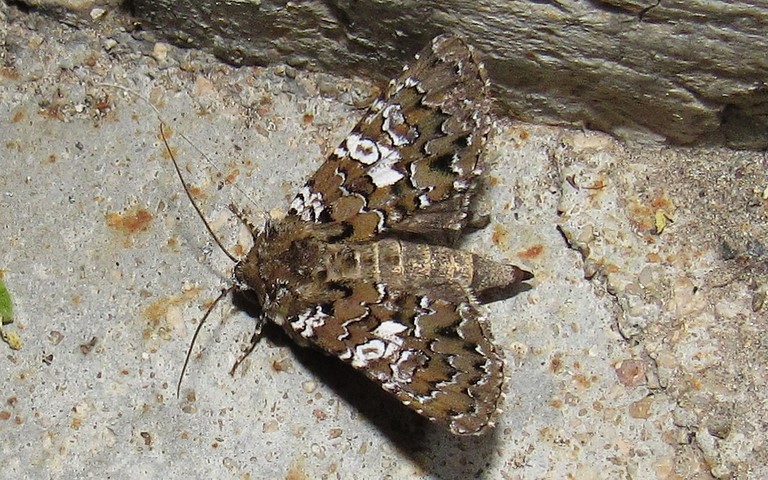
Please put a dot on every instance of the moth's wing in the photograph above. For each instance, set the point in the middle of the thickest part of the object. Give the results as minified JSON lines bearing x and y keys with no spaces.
{"x":411,"y":164}
{"x":435,"y":356}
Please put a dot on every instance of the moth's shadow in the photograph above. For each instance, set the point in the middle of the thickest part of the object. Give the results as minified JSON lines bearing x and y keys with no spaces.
{"x":432,"y":447}
{"x":493,"y":295}
{"x":374,"y":404}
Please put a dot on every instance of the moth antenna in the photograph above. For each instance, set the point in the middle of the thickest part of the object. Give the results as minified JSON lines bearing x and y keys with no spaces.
{"x":223,"y":294}
{"x":192,"y":200}
{"x":184,"y":137}
{"x":240,"y":214}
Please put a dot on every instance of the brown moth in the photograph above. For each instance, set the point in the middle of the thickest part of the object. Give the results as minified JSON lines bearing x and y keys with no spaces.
{"x":362,"y":266}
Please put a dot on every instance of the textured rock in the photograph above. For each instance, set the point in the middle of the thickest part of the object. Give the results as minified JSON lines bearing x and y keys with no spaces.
{"x":678,"y":71}
{"x":681,"y":72}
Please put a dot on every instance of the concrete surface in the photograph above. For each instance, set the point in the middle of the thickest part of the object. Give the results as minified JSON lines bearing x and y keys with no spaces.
{"x":639,"y":352}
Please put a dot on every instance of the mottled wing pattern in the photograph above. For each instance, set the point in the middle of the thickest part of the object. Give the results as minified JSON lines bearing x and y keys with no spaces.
{"x":403,"y":312}
{"x":411,"y":163}
{"x":436,"y":356}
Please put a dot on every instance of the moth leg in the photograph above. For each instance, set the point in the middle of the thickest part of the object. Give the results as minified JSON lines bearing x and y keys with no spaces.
{"x":251,"y":346}
{"x":243,"y":217}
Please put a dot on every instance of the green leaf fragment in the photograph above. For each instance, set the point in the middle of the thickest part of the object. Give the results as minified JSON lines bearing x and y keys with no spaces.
{"x":6,"y":316}
{"x":6,"y":307}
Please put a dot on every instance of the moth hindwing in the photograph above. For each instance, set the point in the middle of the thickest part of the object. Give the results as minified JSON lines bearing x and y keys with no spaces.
{"x":361,"y":268}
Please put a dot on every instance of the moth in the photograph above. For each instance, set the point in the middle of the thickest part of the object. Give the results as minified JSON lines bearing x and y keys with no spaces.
{"x":363,"y":266}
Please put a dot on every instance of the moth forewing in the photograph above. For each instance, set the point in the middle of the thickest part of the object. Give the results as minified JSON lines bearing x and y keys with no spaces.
{"x":357,"y":268}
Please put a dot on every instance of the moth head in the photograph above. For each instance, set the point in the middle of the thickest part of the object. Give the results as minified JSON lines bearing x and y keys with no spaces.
{"x":248,"y":269}
{"x":253,"y":272}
